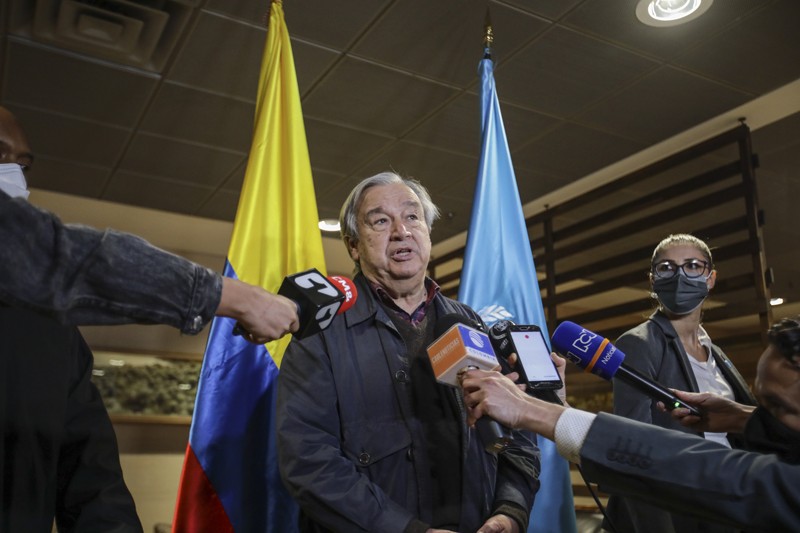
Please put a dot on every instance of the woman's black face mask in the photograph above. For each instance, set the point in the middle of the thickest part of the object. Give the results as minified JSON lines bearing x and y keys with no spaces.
{"x":680,"y":295}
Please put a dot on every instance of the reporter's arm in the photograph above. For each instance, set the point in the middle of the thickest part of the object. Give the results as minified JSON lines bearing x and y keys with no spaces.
{"x":84,"y":276}
{"x":687,"y":474}
{"x":81,"y":275}
{"x":673,"y":470}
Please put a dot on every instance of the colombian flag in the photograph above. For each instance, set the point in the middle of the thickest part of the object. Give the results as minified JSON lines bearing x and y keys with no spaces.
{"x":230,"y":479}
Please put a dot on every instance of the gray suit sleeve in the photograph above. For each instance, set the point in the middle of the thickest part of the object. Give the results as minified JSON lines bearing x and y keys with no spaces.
{"x":687,"y":474}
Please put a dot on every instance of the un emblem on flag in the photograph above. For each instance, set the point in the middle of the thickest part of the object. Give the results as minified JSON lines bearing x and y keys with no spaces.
{"x":492,"y":313}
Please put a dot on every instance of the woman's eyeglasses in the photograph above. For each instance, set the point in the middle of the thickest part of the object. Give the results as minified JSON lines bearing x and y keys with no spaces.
{"x":694,"y":268}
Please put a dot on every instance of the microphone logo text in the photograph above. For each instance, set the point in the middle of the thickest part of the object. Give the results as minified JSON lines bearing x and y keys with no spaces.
{"x":584,"y":341}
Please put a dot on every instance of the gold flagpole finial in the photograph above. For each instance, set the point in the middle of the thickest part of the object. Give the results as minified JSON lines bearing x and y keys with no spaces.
{"x":488,"y":35}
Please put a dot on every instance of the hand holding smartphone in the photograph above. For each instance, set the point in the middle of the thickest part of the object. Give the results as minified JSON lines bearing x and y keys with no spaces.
{"x":533,"y":364}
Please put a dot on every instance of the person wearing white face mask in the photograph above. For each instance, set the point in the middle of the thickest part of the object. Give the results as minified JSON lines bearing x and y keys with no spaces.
{"x":58,"y":454}
{"x":15,"y":156}
{"x":672,"y":348}
{"x":83,"y":276}
{"x":12,"y":180}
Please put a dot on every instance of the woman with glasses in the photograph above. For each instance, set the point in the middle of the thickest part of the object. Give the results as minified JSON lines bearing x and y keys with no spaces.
{"x":672,"y":348}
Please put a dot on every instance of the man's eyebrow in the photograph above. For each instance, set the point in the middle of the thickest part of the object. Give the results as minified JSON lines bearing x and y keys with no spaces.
{"x":374,"y":211}
{"x":5,"y":146}
{"x":381,"y":210}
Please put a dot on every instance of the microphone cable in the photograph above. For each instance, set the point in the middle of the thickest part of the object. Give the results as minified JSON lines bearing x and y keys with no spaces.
{"x":597,"y":501}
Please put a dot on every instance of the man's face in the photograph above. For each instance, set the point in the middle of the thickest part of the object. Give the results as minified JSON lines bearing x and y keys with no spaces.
{"x":13,"y":143}
{"x":394,"y":241}
{"x":777,"y":387}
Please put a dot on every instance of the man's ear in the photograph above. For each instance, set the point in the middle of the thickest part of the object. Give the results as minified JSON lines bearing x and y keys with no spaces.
{"x":352,"y":249}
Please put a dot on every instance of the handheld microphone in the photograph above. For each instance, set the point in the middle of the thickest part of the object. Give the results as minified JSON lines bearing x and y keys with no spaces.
{"x":318,"y":300}
{"x":597,"y":355}
{"x":459,"y":345}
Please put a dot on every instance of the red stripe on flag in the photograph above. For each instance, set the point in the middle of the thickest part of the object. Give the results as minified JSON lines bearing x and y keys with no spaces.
{"x":198,"y":508}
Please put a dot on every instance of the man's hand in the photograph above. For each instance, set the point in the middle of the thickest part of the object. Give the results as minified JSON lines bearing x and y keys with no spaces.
{"x":719,"y":415}
{"x":263,"y":315}
{"x":499,"y":523}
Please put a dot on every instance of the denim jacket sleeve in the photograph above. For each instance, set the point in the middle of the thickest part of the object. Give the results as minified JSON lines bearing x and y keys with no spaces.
{"x":84,"y":276}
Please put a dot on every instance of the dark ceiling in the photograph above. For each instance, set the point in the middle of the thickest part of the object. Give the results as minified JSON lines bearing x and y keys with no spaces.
{"x":151,"y":103}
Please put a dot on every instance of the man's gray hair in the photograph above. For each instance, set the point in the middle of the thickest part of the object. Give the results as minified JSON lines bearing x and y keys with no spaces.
{"x":348,"y":216}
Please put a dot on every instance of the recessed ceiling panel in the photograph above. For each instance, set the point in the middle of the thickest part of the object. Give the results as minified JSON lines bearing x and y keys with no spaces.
{"x":564,"y":71}
{"x":532,"y":184}
{"x":253,"y":12}
{"x":201,"y":117}
{"x":616,"y":22}
{"x":329,"y":192}
{"x":236,"y":179}
{"x":71,"y":139}
{"x":758,"y":54}
{"x":339,"y":149}
{"x":379,"y":101}
{"x":179,"y":161}
{"x":63,"y":83}
{"x":434,"y":169}
{"x":154,"y":193}
{"x":662,"y":104}
{"x":310,"y":63}
{"x":572,"y":151}
{"x":67,"y":177}
{"x":551,"y":9}
{"x":329,"y":23}
{"x":444,"y":39}
{"x":230,"y":66}
{"x":457,"y":127}
{"x":221,"y":206}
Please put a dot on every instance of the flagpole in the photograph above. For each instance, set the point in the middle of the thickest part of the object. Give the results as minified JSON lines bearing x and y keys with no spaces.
{"x":498,"y":229}
{"x":488,"y":36}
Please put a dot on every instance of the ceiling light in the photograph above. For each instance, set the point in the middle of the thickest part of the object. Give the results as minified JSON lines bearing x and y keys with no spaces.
{"x":662,"y":13}
{"x":775,"y":301}
{"x":329,"y":224}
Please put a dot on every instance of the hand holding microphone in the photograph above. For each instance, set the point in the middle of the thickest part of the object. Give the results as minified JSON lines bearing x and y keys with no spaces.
{"x":260,"y":315}
{"x":496,"y":395}
{"x":306,"y":304}
{"x":720,"y":415}
{"x":597,"y":355}
{"x":459,"y":347}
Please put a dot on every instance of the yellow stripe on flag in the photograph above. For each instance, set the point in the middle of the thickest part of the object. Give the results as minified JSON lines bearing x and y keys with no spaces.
{"x":275,"y":232}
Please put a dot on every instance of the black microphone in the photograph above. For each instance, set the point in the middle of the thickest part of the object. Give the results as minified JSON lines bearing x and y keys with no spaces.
{"x":461,"y":345}
{"x":318,"y":299}
{"x":597,"y":355}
